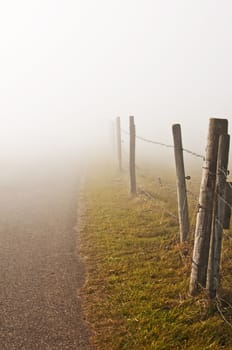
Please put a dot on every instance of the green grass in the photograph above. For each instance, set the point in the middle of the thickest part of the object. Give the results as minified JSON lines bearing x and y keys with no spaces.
{"x":136,"y":293}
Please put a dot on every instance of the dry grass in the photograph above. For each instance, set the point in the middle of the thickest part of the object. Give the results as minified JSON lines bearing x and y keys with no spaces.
{"x":136,"y":294}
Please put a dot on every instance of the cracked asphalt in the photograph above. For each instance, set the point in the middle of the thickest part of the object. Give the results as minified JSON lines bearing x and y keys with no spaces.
{"x":40,"y":270}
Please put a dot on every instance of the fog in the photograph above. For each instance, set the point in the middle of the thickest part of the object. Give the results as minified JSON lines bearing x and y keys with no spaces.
{"x":68,"y":68}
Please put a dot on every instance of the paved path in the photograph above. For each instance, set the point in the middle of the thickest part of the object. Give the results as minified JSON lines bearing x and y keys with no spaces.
{"x":40,"y":272}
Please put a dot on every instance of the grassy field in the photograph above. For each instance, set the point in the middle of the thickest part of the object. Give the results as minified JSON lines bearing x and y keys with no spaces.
{"x":136,"y":293}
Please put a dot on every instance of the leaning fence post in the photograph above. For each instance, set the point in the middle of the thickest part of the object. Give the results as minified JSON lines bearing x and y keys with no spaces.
{"x":119,"y":143}
{"x":205,"y":209}
{"x":181,"y":183}
{"x":132,"y":157}
{"x":218,"y":217}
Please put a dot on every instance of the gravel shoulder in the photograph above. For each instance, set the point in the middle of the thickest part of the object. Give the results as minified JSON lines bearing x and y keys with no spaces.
{"x":41,"y":271}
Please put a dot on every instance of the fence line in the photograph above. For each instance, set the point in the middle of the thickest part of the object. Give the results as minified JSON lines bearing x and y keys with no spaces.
{"x":216,"y":127}
{"x":165,"y":145}
{"x":171,"y":187}
{"x":162,"y":202}
{"x":150,"y":196}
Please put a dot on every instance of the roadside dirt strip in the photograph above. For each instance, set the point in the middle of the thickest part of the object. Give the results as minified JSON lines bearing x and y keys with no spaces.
{"x":40,"y":271}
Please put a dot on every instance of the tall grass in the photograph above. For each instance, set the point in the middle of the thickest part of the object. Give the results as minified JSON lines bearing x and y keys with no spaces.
{"x":136,"y":293}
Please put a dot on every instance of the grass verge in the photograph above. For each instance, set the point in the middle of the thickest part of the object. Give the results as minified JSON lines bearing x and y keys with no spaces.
{"x":136,"y":293}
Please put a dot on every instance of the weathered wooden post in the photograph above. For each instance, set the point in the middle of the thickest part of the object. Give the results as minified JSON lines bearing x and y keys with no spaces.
{"x":181,"y":183}
{"x":218,"y":217}
{"x":119,"y":143}
{"x":217,"y":127}
{"x":132,"y":157}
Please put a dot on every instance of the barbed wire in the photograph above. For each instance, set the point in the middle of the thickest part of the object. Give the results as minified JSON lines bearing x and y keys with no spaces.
{"x":193,"y":200}
{"x":224,"y":201}
{"x":125,"y":131}
{"x":154,"y":142}
{"x":153,"y":198}
{"x":162,"y":184}
{"x":172,"y":188}
{"x":218,"y":304}
{"x":165,"y":145}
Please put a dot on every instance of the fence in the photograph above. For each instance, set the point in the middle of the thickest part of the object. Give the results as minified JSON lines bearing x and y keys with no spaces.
{"x":210,"y":213}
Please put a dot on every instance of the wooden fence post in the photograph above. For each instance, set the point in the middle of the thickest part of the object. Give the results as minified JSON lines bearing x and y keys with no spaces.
{"x":206,"y":203}
{"x":119,"y":143}
{"x":218,"y":217}
{"x":181,"y":183}
{"x":132,"y":157}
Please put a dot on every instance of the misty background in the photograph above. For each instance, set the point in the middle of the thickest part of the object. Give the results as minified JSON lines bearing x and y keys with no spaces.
{"x":68,"y":68}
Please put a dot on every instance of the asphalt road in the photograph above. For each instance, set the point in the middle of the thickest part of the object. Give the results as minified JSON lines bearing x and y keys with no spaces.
{"x":40,"y":271}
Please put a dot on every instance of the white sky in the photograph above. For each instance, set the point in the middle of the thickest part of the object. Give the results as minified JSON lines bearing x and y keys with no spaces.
{"x":67,"y":68}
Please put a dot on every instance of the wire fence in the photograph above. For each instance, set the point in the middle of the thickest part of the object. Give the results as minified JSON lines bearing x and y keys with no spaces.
{"x":162,"y":191}
{"x":197,"y":155}
{"x":162,"y":186}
